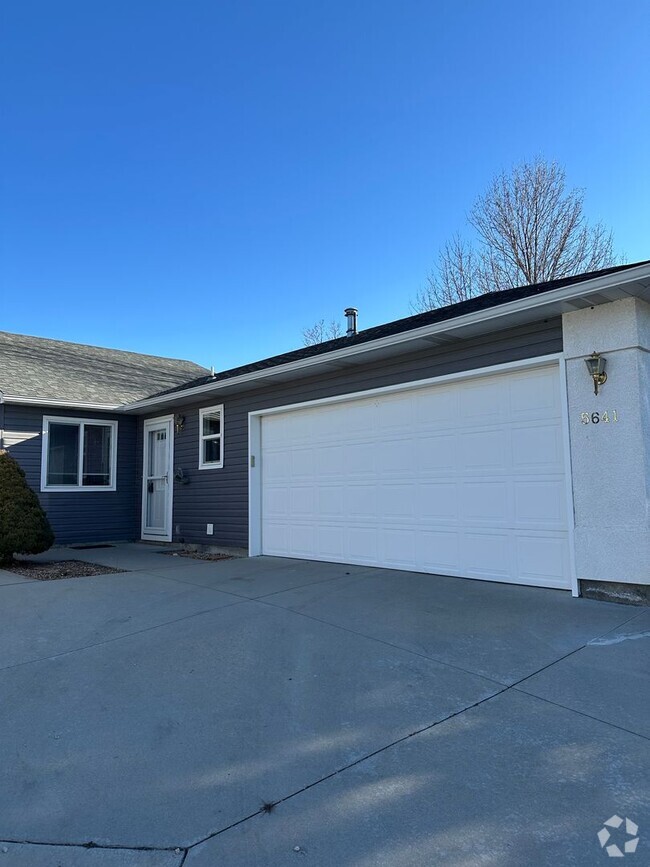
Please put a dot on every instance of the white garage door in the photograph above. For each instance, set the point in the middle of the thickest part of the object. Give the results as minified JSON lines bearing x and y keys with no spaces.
{"x":464,"y":478}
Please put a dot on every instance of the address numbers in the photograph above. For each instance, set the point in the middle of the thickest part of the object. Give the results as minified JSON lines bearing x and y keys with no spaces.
{"x":598,"y":417}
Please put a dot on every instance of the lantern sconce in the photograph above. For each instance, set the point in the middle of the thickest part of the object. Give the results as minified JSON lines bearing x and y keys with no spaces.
{"x":179,"y":422}
{"x":596,"y":367}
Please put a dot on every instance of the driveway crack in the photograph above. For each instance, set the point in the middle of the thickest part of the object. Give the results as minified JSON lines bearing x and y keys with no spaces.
{"x":264,"y":809}
{"x":90,"y":844}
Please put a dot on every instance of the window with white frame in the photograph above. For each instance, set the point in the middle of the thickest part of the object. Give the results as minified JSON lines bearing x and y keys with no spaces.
{"x":211,"y":437}
{"x":79,"y":454}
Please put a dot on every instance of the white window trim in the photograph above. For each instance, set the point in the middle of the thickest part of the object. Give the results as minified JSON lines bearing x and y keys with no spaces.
{"x":80,"y":422}
{"x":211,"y":465}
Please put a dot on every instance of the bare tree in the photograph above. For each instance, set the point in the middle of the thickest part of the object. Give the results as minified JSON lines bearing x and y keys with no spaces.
{"x":454,"y":278}
{"x":320,"y":332}
{"x":529,"y":228}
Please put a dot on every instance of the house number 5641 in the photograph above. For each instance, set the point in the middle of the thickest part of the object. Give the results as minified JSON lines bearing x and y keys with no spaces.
{"x":597,"y":417}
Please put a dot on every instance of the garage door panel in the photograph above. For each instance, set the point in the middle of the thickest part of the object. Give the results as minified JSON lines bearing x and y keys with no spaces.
{"x":329,"y":427}
{"x":277,"y":466}
{"x":540,"y":502}
{"x":331,"y":501}
{"x":438,"y":551}
{"x":362,"y":545}
{"x":302,"y":501}
{"x":356,"y":418}
{"x":488,"y":554}
{"x":437,"y":453}
{"x":486,"y":502}
{"x":302,"y":538}
{"x":274,"y":437}
{"x":394,"y":457}
{"x":461,"y":479}
{"x":436,"y":410}
{"x":482,"y":402}
{"x":302,"y":463}
{"x":542,"y":560}
{"x":275,"y":502}
{"x":534,"y":397}
{"x":397,"y":547}
{"x":438,"y":502}
{"x":327,"y":461}
{"x":538,"y":447}
{"x":396,"y":501}
{"x":276,"y":537}
{"x":395,"y":414}
{"x":361,"y":502}
{"x":359,"y":460}
{"x":330,"y":543}
{"x":484,"y":450}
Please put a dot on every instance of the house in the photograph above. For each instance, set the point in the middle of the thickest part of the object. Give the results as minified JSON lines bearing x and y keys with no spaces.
{"x":465,"y":441}
{"x":61,"y":417}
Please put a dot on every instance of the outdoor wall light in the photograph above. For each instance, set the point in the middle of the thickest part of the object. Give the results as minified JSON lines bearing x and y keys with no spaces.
{"x":596,"y":367}
{"x":179,"y":421}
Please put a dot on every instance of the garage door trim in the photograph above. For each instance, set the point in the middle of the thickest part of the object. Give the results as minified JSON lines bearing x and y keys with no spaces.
{"x":255,"y":427}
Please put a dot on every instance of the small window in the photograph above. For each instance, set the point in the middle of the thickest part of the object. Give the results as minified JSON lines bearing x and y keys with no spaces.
{"x":211,"y":438}
{"x":78,"y":454}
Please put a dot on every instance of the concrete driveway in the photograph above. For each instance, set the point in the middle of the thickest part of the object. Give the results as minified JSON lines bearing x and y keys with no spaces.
{"x":392,"y":718}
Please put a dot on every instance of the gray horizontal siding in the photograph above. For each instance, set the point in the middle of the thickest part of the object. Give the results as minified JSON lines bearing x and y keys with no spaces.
{"x":220,"y":496}
{"x":90,"y":516}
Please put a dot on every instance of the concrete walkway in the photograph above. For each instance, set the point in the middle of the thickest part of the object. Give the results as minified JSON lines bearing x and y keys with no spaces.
{"x":391,"y":718}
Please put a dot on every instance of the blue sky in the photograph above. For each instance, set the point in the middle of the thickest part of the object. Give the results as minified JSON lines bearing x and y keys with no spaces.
{"x":204,"y":179}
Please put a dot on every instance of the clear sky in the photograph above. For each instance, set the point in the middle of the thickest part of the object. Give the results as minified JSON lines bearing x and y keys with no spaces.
{"x":203,"y":179}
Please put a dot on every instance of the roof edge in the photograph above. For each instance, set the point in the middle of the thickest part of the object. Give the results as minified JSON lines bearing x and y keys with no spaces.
{"x":529,"y":302}
{"x":53,"y":401}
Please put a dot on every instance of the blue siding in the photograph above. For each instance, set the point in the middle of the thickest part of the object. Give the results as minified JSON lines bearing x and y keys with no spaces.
{"x":220,"y":496}
{"x":88,"y":516}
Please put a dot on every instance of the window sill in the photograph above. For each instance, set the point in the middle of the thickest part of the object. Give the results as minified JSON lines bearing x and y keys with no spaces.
{"x":77,"y":489}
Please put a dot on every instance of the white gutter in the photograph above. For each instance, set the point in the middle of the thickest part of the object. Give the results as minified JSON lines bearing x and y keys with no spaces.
{"x":51,"y":401}
{"x":532,"y":302}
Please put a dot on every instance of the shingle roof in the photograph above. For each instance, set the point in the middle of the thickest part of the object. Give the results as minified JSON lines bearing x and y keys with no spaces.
{"x":38,"y":368}
{"x":399,"y":326}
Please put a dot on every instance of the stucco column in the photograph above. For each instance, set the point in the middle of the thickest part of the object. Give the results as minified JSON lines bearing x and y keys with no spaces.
{"x":611,"y":457}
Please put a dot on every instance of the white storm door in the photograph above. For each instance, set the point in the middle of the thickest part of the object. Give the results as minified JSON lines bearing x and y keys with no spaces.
{"x":157,"y":480}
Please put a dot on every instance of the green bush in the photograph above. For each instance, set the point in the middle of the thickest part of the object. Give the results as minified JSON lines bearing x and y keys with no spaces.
{"x":24,"y":528}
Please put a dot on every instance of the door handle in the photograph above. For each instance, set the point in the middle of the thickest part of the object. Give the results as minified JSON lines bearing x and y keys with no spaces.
{"x":150,"y":487}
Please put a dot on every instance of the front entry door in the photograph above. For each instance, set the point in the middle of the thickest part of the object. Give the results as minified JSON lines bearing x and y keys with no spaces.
{"x":157,"y":485}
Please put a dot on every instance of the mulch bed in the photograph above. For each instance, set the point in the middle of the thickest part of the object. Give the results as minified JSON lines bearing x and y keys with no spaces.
{"x":54,"y":570}
{"x":200,"y":555}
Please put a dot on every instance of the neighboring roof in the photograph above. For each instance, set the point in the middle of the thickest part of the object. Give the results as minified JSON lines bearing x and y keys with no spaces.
{"x":41,"y":369}
{"x":410,"y":323}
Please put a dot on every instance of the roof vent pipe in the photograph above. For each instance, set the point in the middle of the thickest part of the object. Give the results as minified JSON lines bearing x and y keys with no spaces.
{"x":351,"y":313}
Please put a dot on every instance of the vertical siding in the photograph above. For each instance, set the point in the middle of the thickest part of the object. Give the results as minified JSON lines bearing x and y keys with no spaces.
{"x":78,"y":516}
{"x":220,"y":496}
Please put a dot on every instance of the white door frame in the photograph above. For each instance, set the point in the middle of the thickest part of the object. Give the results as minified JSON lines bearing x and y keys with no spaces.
{"x":159,"y":421}
{"x":255,"y":438}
